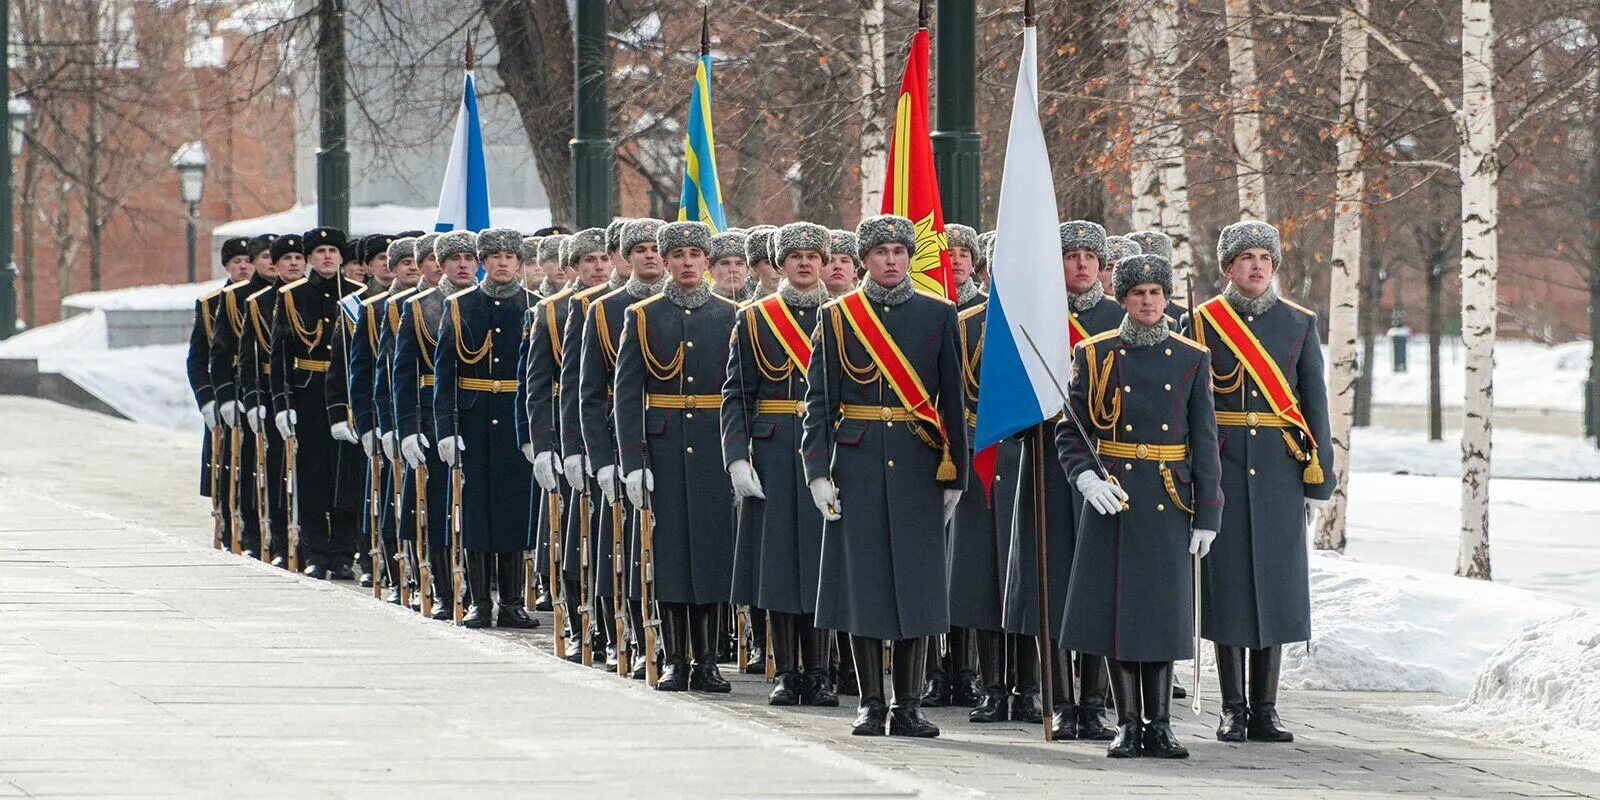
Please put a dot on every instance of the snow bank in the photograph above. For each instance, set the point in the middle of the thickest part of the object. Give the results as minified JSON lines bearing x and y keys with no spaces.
{"x":165,"y":297}
{"x":1526,"y":374}
{"x":1396,"y":629}
{"x":1517,"y":454}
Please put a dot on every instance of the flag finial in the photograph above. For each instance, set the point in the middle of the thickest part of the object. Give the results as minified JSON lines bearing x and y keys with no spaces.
{"x":705,"y":29}
{"x":1028,"y":15}
{"x":470,"y":56}
{"x":922,"y":14}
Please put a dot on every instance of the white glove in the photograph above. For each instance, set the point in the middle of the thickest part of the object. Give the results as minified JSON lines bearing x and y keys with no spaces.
{"x":826,"y":498}
{"x":369,"y":440}
{"x":606,"y":476}
{"x":256,"y":417}
{"x":951,"y":498}
{"x":1106,"y":497}
{"x":746,"y":483}
{"x":450,"y":448}
{"x":527,"y":451}
{"x":229,"y":413}
{"x":415,"y":449}
{"x":344,"y":433}
{"x":208,"y":412}
{"x":638,"y":482}
{"x":1200,"y":542}
{"x":286,"y":420}
{"x":572,"y":466}
{"x":387,"y":441}
{"x":544,"y":470}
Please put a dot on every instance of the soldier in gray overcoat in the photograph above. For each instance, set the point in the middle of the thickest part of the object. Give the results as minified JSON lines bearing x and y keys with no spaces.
{"x":1257,"y":586}
{"x":779,"y":542}
{"x":1141,"y":393}
{"x":671,"y":363}
{"x":882,"y":450}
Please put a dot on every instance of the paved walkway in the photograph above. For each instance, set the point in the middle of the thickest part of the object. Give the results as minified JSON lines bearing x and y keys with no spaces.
{"x":136,"y":661}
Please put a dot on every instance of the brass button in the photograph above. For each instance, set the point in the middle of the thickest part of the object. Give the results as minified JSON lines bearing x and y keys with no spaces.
{"x":1122,"y":352}
{"x":1127,"y":389}
{"x":1252,"y":470}
{"x":885,"y":309}
{"x":1142,"y":450}
{"x":891,"y":463}
{"x":496,"y":330}
{"x":1252,"y":431}
{"x":1127,"y":466}
{"x":1254,"y":393}
{"x":690,"y":401}
{"x":494,"y":422}
{"x":888,"y":424}
{"x":1252,"y":418}
{"x":1169,"y":387}
{"x":691,"y":344}
{"x":497,"y":302}
{"x":1169,"y":351}
{"x":687,"y":312}
{"x":691,"y":379}
{"x":689,"y":449}
{"x":689,"y":415}
{"x":496,"y":359}
{"x":1164,"y":426}
{"x":1127,"y":427}
{"x":885,"y":414}
{"x":1161,"y":506}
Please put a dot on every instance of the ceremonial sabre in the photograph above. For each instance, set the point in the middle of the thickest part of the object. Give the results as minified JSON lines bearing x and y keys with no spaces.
{"x":1194,"y":699}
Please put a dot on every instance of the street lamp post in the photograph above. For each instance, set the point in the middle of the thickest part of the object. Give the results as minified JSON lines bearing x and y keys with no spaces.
{"x":190,"y":161}
{"x":17,"y":111}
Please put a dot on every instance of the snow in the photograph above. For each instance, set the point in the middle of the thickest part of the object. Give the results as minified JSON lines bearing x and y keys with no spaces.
{"x":165,"y":297}
{"x":1517,"y":454}
{"x":385,"y":218}
{"x":1526,"y":374}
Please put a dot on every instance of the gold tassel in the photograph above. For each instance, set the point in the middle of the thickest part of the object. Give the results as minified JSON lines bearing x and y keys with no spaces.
{"x":1313,"y":474}
{"x":947,"y":468}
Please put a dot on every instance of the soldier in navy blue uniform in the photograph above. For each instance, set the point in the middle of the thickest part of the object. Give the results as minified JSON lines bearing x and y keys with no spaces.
{"x":205,"y":380}
{"x":869,"y":454}
{"x":671,"y":363}
{"x":398,"y":550}
{"x":1141,"y":393}
{"x":254,"y":389}
{"x":474,"y":414}
{"x":1257,"y":585}
{"x":552,"y":282}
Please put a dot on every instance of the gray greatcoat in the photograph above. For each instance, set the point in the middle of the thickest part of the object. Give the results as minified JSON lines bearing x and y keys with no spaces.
{"x":538,"y":420}
{"x":570,"y":426}
{"x":980,"y":532}
{"x":1131,"y":592}
{"x":602,"y":333}
{"x":415,"y":340}
{"x":883,"y":572}
{"x":1257,"y":585}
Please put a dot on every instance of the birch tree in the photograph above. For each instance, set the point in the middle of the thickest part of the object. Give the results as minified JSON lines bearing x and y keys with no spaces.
{"x":1160,"y":166}
{"x":1145,"y":179}
{"x":874,"y":134}
{"x":1250,"y":171}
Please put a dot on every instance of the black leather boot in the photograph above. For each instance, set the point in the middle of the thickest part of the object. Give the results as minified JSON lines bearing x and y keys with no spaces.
{"x":444,"y":601}
{"x":993,"y":703}
{"x":1064,"y":716}
{"x":757,"y":634}
{"x":936,"y":689}
{"x":1027,"y":703}
{"x":1155,"y":678}
{"x":637,"y":639}
{"x":1264,"y":726}
{"x":571,"y":599}
{"x":844,"y":681}
{"x":1094,"y":681}
{"x":905,"y":712}
{"x":965,"y":688}
{"x":872,"y":714}
{"x":706,"y":632}
{"x":674,"y":648}
{"x":1234,"y":724}
{"x":508,"y":578}
{"x":789,"y":686}
{"x":816,"y":652}
{"x":481,"y":605}
{"x":1130,"y":729}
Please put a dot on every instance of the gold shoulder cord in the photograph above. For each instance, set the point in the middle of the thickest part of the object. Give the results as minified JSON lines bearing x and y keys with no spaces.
{"x":464,"y":354}
{"x":555,"y":336}
{"x":235,"y":315}
{"x":658,"y":370}
{"x":602,"y":327}
{"x":1102,"y":414}
{"x":424,"y":338}
{"x":863,"y":375}
{"x":308,"y":338}
{"x":263,"y":329}
{"x":777,"y":373}
{"x":372,"y":330}
{"x":970,"y":363}
{"x":1224,"y":383}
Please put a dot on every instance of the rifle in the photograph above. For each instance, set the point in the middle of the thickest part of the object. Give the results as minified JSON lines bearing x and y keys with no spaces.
{"x":741,"y":626}
{"x":235,"y":443}
{"x":419,"y":475}
{"x":647,"y":582}
{"x":586,"y":646}
{"x":263,"y":507}
{"x":374,"y":489}
{"x":402,"y":560}
{"x":457,"y":482}
{"x":216,"y":485}
{"x":553,"y":508}
{"x":292,"y":490}
{"x":619,"y":572}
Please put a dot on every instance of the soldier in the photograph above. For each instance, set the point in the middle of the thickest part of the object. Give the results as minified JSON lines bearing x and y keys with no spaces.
{"x":1141,"y":392}
{"x":729,"y":272}
{"x":537,"y":342}
{"x":1156,"y":243}
{"x":779,"y":543}
{"x":555,"y":272}
{"x":374,"y":255}
{"x":474,"y":395}
{"x":885,"y":429}
{"x":602,"y":333}
{"x":758,"y":257}
{"x":1272,"y":420}
{"x":532,"y":270}
{"x":328,"y":469}
{"x":670,"y":370}
{"x":204,"y":383}
{"x":402,"y":264}
{"x":448,"y":266}
{"x":844,"y":263}
{"x":1117,"y":248}
{"x":614,"y":251}
{"x":1083,"y":250}
{"x":254,"y":390}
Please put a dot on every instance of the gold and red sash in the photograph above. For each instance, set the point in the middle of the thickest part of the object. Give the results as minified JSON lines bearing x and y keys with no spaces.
{"x":787,"y":329}
{"x":894,"y":367}
{"x":1075,"y":330}
{"x":1244,"y":345}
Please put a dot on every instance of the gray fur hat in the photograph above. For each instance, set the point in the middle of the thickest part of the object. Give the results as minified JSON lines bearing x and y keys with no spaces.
{"x":614,"y":233}
{"x":550,"y":248}
{"x":986,"y":248}
{"x":1081,"y":234}
{"x":1120,"y":247}
{"x":797,"y":236}
{"x":1245,"y":234}
{"x":758,"y":243}
{"x":958,"y":235}
{"x":1153,"y":243}
{"x":499,"y":240}
{"x":530,"y":248}
{"x":726,"y":244}
{"x":885,"y":229}
{"x":580,"y":244}
{"x":639,"y":231}
{"x":402,"y":248}
{"x":425,"y":244}
{"x":674,"y":235}
{"x":844,"y":242}
{"x":453,"y":242}
{"x":1134,"y":270}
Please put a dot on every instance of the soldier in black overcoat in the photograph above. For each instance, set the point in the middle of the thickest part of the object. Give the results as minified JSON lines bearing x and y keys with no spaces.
{"x":254,"y":389}
{"x":214,"y":384}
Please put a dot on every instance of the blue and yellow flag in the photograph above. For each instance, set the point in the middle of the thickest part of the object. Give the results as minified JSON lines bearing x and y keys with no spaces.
{"x":702,"y":192}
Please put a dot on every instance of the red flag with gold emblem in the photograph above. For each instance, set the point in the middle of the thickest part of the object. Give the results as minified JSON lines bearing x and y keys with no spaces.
{"x":910,"y":188}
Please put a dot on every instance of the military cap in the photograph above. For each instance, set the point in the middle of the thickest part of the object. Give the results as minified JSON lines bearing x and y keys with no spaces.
{"x":530,"y":248}
{"x":286,"y":244}
{"x":958,"y":235}
{"x":985,"y":254}
{"x":262,"y":244}
{"x":758,"y":243}
{"x":1134,"y":270}
{"x":317,"y":237}
{"x":1081,"y":234}
{"x":402,"y":248}
{"x":674,"y":235}
{"x":798,"y":236}
{"x":885,"y":229}
{"x":1153,"y":243}
{"x":580,"y":244}
{"x":374,"y":245}
{"x":726,"y":244}
{"x":499,"y":240}
{"x":235,"y":246}
{"x":411,"y":233}
{"x":550,"y":248}
{"x":614,"y":233}
{"x":637,"y":232}
{"x":844,"y":242}
{"x":1120,"y":247}
{"x":425,"y":245}
{"x":1247,"y":234}
{"x":550,"y":230}
{"x":452,"y":242}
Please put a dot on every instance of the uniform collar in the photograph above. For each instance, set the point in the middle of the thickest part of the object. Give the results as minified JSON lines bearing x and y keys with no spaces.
{"x":965,"y":291}
{"x":888,"y":295}
{"x":548,"y":289}
{"x":687,"y":298}
{"x":1135,"y":336}
{"x":616,"y":281}
{"x":794,"y":297}
{"x":1087,"y":300}
{"x":499,"y":291}
{"x":1247,"y":305}
{"x":639,"y":290}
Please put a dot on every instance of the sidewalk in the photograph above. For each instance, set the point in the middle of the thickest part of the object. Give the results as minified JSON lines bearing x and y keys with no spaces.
{"x":136,"y":661}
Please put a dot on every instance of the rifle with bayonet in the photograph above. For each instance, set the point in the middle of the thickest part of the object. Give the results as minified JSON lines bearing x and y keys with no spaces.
{"x":553,"y":509}
{"x":397,"y":478}
{"x":419,"y":478}
{"x":263,"y":504}
{"x":217,"y":523}
{"x":375,"y":518}
{"x":235,"y":503}
{"x":585,"y":643}
{"x":619,"y":580}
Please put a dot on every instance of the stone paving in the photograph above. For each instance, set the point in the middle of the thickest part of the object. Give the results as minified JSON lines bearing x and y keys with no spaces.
{"x":137,"y":662}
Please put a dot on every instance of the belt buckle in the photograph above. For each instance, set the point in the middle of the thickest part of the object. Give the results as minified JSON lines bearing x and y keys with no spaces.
{"x":799,"y":409}
{"x":690,"y":401}
{"x":1252,"y":418}
{"x":886,"y":414}
{"x":494,"y":386}
{"x":1141,"y":451}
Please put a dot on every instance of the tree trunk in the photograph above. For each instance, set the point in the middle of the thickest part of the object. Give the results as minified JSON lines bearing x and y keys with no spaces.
{"x":1480,"y":266}
{"x":534,"y":39}
{"x":1594,"y":263}
{"x":1435,"y":339}
{"x":30,"y":187}
{"x":1343,"y":296}
{"x":1145,"y":183}
{"x":1171,"y":183}
{"x":1250,"y":161}
{"x":869,"y":83}
{"x":1368,"y":325}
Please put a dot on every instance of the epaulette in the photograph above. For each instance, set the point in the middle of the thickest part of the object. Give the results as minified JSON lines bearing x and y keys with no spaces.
{"x":360,"y":285}
{"x":403,"y":294}
{"x":835,"y":301}
{"x":286,"y":288}
{"x":1292,"y":304}
{"x":613,"y":293}
{"x":424,"y":293}
{"x":589,"y":295}
{"x":639,"y":306}
{"x":558,"y":296}
{"x":971,"y":311}
{"x":253,"y":296}
{"x":377,"y":298}
{"x":947,"y":301}
{"x":463,"y":293}
{"x":1178,"y":337}
{"x":1099,"y":337}
{"x":230,"y":287}
{"x":728,"y":300}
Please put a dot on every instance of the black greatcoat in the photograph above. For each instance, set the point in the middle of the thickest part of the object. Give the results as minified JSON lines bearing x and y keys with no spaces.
{"x":883,"y":571}
{"x":478,"y":339}
{"x":779,"y":544}
{"x":670,"y":350}
{"x":254,"y":390}
{"x":198,"y":366}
